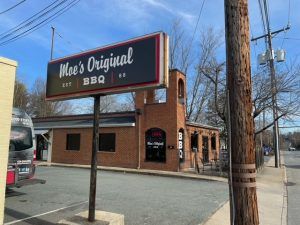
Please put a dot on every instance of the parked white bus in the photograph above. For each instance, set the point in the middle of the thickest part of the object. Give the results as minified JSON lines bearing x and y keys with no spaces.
{"x":21,"y":167}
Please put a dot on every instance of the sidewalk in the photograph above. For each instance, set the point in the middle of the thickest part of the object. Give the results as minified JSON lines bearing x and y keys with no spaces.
{"x":141,"y":171}
{"x":272,"y":199}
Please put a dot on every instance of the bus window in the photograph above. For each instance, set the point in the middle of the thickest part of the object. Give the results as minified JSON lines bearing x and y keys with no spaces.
{"x":20,"y":138}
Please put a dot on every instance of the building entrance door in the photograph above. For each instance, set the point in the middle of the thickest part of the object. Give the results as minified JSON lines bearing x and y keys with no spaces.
{"x":205,"y":154}
{"x":41,"y":148}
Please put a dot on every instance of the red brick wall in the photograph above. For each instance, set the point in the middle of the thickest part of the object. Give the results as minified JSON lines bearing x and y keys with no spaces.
{"x":124,"y":156}
{"x":169,"y":116}
{"x":190,"y":160}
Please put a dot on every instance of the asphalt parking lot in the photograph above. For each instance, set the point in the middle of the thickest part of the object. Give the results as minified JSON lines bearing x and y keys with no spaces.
{"x":143,"y":199}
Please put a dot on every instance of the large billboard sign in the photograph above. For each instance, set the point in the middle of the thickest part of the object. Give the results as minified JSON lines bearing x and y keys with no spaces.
{"x":123,"y":67}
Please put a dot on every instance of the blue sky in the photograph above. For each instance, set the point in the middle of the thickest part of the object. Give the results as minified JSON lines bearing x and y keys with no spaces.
{"x":94,"y":23}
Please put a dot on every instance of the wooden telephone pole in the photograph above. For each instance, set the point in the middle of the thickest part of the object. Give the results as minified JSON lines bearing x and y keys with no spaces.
{"x":243,"y":182}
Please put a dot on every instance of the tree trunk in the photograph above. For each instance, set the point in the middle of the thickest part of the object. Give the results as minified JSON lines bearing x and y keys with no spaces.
{"x":239,"y":85}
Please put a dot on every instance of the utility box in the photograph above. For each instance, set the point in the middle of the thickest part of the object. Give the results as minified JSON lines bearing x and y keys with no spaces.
{"x":262,"y":59}
{"x":280,"y":53}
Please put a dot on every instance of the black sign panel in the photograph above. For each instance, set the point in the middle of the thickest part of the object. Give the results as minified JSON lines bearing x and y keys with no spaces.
{"x":123,"y":67}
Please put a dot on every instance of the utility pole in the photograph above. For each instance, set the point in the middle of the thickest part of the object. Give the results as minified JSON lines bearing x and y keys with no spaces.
{"x":274,"y":100}
{"x":243,"y":182}
{"x":52,"y":42}
{"x":270,"y":57}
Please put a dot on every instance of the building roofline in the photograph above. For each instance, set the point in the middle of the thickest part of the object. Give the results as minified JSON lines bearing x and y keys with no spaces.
{"x":188,"y":123}
{"x":177,"y":70}
{"x":83,"y":116}
{"x":85,"y":126}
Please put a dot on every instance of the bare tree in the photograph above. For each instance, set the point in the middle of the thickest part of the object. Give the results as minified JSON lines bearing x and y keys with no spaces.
{"x":180,"y":48}
{"x":21,"y":95}
{"x":206,"y":80}
{"x":287,"y":83}
{"x":39,"y":107}
{"x":287,"y":93}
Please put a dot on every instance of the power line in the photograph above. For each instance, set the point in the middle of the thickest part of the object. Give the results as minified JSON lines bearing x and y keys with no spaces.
{"x":67,"y":41}
{"x":289,"y":127}
{"x":262,"y":16}
{"x":12,"y":7}
{"x":288,"y":38}
{"x":28,"y":19}
{"x":31,"y":20}
{"x":289,"y":15}
{"x":190,"y":46}
{"x":42,"y":23}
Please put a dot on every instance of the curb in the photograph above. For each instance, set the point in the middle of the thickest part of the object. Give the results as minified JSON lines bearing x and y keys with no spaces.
{"x":284,"y":213}
{"x":214,"y":212}
{"x":143,"y":172}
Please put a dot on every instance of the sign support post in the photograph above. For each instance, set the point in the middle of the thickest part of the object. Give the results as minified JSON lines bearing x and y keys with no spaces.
{"x":93,"y":177}
{"x":136,"y":64}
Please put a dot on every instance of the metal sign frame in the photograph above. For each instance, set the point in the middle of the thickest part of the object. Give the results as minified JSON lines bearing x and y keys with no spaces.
{"x":59,"y":78}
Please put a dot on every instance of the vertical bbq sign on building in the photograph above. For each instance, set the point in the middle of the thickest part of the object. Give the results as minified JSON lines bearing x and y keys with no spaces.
{"x":138,"y":63}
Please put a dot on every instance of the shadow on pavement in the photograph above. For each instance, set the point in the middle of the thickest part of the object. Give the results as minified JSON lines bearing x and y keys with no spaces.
{"x":293,"y":166}
{"x":11,"y":193}
{"x":19,"y":215}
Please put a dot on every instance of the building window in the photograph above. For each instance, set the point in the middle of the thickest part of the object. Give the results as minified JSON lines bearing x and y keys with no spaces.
{"x":213,"y":143}
{"x":180,"y":89}
{"x":160,"y":95}
{"x":73,"y":142}
{"x":155,"y":145}
{"x":107,"y":142}
{"x":194,"y":141}
{"x":205,"y":153}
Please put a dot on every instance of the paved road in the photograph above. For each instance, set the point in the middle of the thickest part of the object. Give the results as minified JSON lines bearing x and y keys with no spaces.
{"x":292,"y":163}
{"x":142,"y":199}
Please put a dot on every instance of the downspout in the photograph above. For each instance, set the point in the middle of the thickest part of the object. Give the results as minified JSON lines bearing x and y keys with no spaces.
{"x":138,"y":113}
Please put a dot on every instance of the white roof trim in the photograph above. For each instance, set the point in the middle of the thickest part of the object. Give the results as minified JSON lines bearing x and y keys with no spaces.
{"x":202,"y":125}
{"x":40,"y":131}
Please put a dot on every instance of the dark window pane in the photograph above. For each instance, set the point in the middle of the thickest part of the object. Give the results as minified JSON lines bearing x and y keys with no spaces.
{"x":73,"y":142}
{"x":213,"y":143}
{"x":107,"y":142}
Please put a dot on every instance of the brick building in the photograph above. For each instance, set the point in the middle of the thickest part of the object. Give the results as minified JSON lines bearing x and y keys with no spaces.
{"x":154,"y":136}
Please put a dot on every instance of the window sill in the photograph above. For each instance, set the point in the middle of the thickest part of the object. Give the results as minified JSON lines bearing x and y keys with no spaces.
{"x":105,"y":152}
{"x":149,"y":161}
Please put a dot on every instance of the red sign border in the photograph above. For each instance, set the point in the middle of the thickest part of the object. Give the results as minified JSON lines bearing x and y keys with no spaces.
{"x":121,"y":88}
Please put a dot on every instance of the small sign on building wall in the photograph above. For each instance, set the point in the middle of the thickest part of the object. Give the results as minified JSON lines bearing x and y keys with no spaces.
{"x":123,"y":67}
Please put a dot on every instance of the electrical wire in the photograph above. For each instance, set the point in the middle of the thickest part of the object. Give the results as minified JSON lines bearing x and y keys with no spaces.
{"x":229,"y":150}
{"x":289,"y":12}
{"x":289,"y":15}
{"x":254,"y":43}
{"x":288,"y":38}
{"x":22,"y":25}
{"x":42,"y":23}
{"x":195,"y":29}
{"x":262,"y":16}
{"x":12,"y":7}
{"x":267,"y":15}
{"x":67,"y":41}
{"x":28,"y":19}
